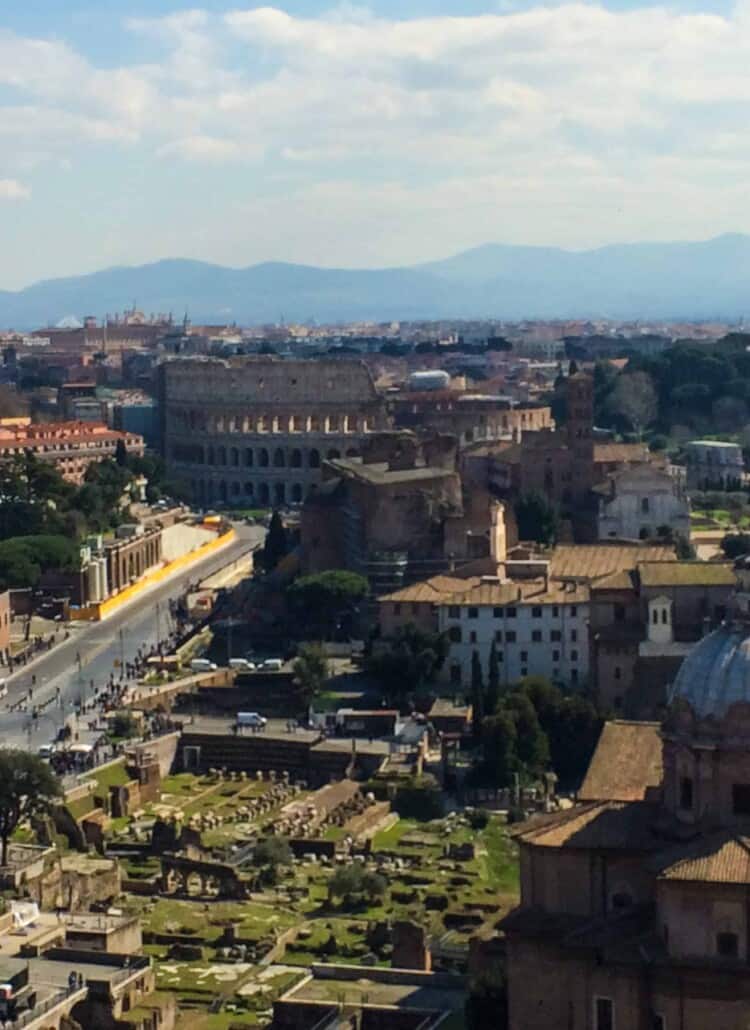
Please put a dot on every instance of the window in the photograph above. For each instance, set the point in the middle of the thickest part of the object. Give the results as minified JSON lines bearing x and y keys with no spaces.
{"x":536,"y":613}
{"x":510,"y":636}
{"x":574,"y":610}
{"x":574,"y":675}
{"x":555,"y":656}
{"x":510,"y":613}
{"x":574,"y":635}
{"x":454,"y":612}
{"x":524,"y":671}
{"x":604,"y":1014}
{"x":686,"y":793}
{"x":727,"y":945}
{"x":655,"y":616}
{"x":497,"y":613}
{"x":454,"y":634}
{"x":524,"y":656}
{"x":499,"y":636}
{"x":574,"y":656}
{"x":555,"y":636}
{"x":473,"y":613}
{"x":473,"y":637}
{"x":664,"y":616}
{"x":741,"y":798}
{"x":536,"y":636}
{"x":555,"y":611}
{"x":499,"y":656}
{"x":644,"y":505}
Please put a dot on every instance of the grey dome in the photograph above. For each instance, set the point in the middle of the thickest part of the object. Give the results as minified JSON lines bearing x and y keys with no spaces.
{"x":716,"y":673}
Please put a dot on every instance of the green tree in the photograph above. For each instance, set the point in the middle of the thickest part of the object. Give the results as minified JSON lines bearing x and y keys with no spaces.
{"x":499,"y":758}
{"x":27,"y":787}
{"x":276,"y":544}
{"x":736,"y":545}
{"x":532,"y":746}
{"x":320,"y":600}
{"x":121,"y":453}
{"x":477,"y":695}
{"x":311,"y":670}
{"x":536,"y":519}
{"x":493,"y":681}
{"x":273,"y":851}
{"x":124,"y":726}
{"x":408,"y":661}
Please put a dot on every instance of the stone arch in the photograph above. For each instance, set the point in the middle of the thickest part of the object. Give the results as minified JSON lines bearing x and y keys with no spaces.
{"x":235,"y":456}
{"x":352,"y":452}
{"x":315,"y":424}
{"x":221,"y":456}
{"x":296,"y":493}
{"x":249,"y":489}
{"x":249,"y":457}
{"x":279,"y":458}
{"x":279,"y":494}
{"x":264,"y":494}
{"x":295,"y":458}
{"x":296,"y":424}
{"x":263,"y":424}
{"x":263,"y":460}
{"x":313,"y":458}
{"x":333,"y":454}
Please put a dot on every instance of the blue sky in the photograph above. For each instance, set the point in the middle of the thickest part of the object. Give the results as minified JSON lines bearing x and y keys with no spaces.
{"x":363,"y":135}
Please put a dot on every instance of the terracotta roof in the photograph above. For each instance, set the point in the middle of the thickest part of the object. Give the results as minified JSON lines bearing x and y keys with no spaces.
{"x":594,"y":561}
{"x":624,"y":453}
{"x":603,"y":826}
{"x":626,"y":765}
{"x":531,"y":591}
{"x":685,"y":573}
{"x":431,"y":591}
{"x":622,"y":580}
{"x":719,"y":858}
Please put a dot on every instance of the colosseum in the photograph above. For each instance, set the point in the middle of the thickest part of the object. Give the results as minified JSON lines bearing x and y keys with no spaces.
{"x":254,"y":430}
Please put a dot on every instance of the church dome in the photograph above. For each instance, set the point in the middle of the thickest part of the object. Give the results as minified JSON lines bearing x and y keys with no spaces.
{"x":716,"y":673}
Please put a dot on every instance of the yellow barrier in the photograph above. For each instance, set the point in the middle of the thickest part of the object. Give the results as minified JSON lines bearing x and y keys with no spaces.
{"x":101,"y":610}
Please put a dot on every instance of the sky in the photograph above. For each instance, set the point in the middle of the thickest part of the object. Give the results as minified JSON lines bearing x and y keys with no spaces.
{"x":369,"y":135}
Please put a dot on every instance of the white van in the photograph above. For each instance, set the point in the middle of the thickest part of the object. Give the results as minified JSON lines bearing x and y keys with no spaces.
{"x":241,"y":664}
{"x":250,"y":719}
{"x":272,"y":665}
{"x":202,"y":665}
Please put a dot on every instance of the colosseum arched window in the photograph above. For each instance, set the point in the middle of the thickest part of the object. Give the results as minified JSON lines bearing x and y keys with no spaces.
{"x":296,"y":493}
{"x":221,"y":456}
{"x":296,"y":424}
{"x":334,"y":424}
{"x":264,"y":424}
{"x":313,"y":459}
{"x":263,"y":458}
{"x":275,"y":424}
{"x":263,"y":493}
{"x":235,"y":456}
{"x":219,"y":424}
{"x":315,"y":424}
{"x":232,"y":424}
{"x":279,"y":459}
{"x":295,"y":459}
{"x":249,"y":457}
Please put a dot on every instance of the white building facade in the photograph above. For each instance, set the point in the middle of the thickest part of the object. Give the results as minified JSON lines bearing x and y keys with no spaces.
{"x":538,"y":630}
{"x":637,"y":502}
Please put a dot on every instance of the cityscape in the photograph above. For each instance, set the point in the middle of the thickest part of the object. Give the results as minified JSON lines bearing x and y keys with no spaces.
{"x":374,"y":517}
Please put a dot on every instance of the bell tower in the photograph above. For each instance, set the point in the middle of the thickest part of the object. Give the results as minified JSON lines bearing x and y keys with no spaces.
{"x":580,"y":432}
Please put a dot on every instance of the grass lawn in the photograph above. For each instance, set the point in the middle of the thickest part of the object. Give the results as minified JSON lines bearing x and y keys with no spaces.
{"x":389,"y":839}
{"x":114,"y":775}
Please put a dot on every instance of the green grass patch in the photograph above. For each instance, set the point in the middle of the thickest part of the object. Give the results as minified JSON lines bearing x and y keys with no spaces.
{"x":114,"y":775}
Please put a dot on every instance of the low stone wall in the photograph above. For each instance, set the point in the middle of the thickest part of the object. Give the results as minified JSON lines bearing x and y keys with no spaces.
{"x":363,"y":824}
{"x":385,"y":975}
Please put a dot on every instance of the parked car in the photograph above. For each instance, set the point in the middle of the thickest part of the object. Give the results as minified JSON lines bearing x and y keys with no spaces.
{"x":253,"y":719}
{"x":241,"y":664}
{"x":202,"y":665}
{"x":46,"y":750}
{"x":272,"y":665}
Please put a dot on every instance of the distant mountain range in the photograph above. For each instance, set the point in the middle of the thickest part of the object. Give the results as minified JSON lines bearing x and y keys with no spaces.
{"x":703,"y":280}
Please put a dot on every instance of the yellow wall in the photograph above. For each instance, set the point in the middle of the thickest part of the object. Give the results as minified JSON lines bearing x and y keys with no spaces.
{"x":103,"y":609}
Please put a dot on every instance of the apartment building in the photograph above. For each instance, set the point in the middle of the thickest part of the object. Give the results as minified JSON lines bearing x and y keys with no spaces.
{"x":70,"y":446}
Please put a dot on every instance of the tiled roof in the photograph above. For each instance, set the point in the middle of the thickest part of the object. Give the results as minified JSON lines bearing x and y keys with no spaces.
{"x":431,"y":591}
{"x":626,"y":765}
{"x":622,"y":580}
{"x":685,"y":573}
{"x":532,"y":591}
{"x":593,"y":561}
{"x":719,"y":858}
{"x":605,"y":453}
{"x":603,"y":826}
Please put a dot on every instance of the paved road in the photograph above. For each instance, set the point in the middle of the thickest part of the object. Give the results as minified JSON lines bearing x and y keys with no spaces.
{"x":142,"y":622}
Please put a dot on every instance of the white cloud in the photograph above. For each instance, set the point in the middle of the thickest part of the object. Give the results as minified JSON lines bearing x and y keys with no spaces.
{"x":12,"y":189}
{"x":571,"y":123}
